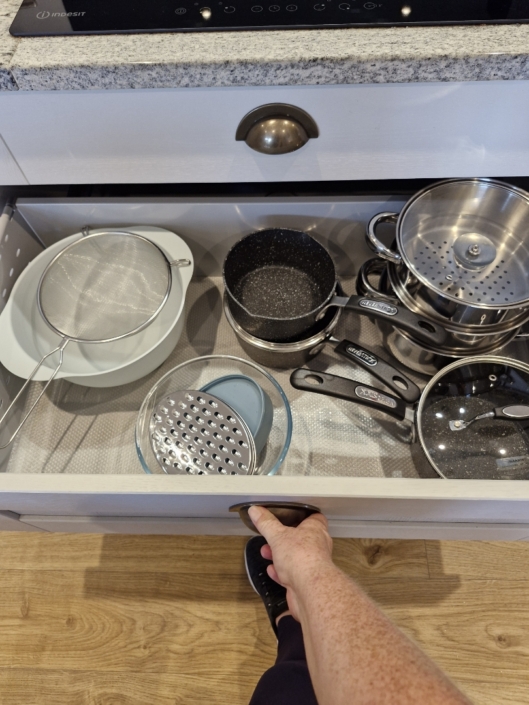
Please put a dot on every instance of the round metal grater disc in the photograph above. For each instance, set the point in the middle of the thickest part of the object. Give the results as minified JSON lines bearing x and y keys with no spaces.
{"x":195,"y":433}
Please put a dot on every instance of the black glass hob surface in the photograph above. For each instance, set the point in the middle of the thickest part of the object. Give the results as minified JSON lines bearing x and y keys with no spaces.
{"x":67,"y":17}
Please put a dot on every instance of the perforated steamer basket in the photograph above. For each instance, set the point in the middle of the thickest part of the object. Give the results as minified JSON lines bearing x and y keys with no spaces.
{"x":464,"y":243}
{"x":196,"y":374}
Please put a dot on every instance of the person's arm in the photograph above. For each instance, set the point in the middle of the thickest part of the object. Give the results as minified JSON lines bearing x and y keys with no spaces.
{"x":355,"y":655}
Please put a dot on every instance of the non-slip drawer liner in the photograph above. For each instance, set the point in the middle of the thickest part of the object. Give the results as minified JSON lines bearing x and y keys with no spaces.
{"x":78,"y":430}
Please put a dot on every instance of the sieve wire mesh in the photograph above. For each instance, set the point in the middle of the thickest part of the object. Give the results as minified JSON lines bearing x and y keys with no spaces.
{"x":104,"y":286}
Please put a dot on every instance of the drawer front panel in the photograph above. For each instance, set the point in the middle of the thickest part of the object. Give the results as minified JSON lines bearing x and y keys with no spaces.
{"x":188,"y":135}
{"x":416,"y":501}
{"x":233,"y":527}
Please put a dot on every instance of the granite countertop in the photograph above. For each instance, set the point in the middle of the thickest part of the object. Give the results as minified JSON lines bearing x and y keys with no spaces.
{"x":264,"y":58}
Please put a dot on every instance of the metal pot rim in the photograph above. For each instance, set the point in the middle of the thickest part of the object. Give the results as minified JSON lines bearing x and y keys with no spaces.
{"x":298,"y":346}
{"x":450,"y":326}
{"x":477,"y":180}
{"x":268,"y":318}
{"x":455,"y":352}
{"x":478,"y":359}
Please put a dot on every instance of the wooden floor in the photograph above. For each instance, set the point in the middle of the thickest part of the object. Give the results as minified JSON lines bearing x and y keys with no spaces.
{"x":160,"y":620}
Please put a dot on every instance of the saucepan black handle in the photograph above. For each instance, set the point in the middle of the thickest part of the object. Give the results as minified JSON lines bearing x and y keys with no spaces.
{"x":399,"y":316}
{"x":514,"y":412}
{"x":348,"y":389}
{"x":384,"y":371}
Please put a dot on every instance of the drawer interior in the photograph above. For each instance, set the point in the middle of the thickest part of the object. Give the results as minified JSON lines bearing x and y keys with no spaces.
{"x":81,"y":430}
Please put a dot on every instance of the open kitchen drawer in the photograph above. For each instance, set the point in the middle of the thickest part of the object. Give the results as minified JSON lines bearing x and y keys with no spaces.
{"x":74,"y":465}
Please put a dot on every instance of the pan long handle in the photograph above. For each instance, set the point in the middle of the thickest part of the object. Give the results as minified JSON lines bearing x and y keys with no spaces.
{"x":398,"y":382}
{"x":399,"y":316}
{"x":60,"y":350}
{"x":514,"y":412}
{"x":348,"y":389}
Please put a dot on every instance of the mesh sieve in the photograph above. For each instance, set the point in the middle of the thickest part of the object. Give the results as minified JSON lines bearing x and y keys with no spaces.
{"x":103,"y":287}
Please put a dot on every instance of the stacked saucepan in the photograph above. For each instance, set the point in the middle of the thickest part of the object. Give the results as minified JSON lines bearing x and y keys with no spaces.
{"x":283,"y":300}
{"x":460,"y":260}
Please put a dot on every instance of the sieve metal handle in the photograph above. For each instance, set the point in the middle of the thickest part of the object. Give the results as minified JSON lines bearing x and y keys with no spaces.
{"x":60,"y":350}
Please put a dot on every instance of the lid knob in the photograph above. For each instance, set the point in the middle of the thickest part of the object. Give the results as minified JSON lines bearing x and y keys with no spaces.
{"x":474,"y":251}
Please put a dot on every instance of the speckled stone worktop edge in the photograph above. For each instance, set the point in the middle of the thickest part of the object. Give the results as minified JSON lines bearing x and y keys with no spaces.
{"x":301,"y":57}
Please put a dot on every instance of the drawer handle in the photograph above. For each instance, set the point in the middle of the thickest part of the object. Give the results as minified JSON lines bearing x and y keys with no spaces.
{"x":288,"y":513}
{"x":276,"y":128}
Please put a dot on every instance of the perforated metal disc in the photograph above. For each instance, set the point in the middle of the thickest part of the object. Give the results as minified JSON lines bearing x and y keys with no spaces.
{"x":103,"y":287}
{"x":195,"y":433}
{"x":466,"y":240}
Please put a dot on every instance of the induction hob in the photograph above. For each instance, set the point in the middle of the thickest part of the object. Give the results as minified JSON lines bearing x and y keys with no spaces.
{"x":67,"y":17}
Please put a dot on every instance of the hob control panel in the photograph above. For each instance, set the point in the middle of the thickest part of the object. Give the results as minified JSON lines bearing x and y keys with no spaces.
{"x":66,"y":17}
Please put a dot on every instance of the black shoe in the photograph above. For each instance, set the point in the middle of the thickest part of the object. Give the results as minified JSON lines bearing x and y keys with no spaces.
{"x":273,"y":595}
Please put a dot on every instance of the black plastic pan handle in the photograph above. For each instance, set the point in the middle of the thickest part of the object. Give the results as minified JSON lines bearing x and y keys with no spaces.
{"x":399,"y":316}
{"x":394,"y":379}
{"x":348,"y":389}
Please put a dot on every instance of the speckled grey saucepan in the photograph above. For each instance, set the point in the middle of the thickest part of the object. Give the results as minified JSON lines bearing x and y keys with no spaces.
{"x":279,"y":283}
{"x":487,"y":391}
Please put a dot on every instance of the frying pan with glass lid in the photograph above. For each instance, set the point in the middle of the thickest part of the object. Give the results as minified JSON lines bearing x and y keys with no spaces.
{"x":471,"y":420}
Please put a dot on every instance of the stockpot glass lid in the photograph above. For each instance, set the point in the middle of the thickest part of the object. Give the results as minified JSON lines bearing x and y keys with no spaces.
{"x":489,"y":448}
{"x":468,"y":241}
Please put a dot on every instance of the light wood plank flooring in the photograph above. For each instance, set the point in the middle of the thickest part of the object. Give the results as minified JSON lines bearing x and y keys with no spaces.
{"x":164,"y":620}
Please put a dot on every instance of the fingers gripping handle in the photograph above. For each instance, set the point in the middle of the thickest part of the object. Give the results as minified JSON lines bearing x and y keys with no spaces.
{"x":398,"y":382}
{"x":349,"y":390}
{"x":60,"y":350}
{"x":288,"y":513}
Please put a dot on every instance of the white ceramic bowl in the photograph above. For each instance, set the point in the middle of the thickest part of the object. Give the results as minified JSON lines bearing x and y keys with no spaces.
{"x":25,"y":337}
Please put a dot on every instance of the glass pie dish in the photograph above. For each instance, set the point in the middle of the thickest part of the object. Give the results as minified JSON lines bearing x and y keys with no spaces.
{"x":196,"y":374}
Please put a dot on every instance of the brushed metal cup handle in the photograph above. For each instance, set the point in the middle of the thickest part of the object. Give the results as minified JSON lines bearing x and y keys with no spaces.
{"x":288,"y":513}
{"x":276,"y":128}
{"x":375,"y":244}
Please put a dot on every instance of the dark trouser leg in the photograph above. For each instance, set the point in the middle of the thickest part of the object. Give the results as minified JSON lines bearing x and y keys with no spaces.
{"x":288,"y":681}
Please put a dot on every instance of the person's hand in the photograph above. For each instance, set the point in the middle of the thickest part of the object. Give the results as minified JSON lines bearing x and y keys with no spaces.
{"x":298,"y":554}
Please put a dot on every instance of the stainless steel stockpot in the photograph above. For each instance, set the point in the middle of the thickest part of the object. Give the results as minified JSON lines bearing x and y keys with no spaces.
{"x":428,"y":360}
{"x":453,"y":317}
{"x":461,"y":249}
{"x":461,"y":341}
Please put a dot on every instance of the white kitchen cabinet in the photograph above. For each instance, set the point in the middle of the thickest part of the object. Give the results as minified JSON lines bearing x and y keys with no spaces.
{"x":187,"y":135}
{"x":10,"y":173}
{"x":74,"y":467}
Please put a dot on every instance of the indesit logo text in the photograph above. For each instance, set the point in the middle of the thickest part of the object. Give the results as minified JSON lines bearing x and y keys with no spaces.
{"x":45,"y":14}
